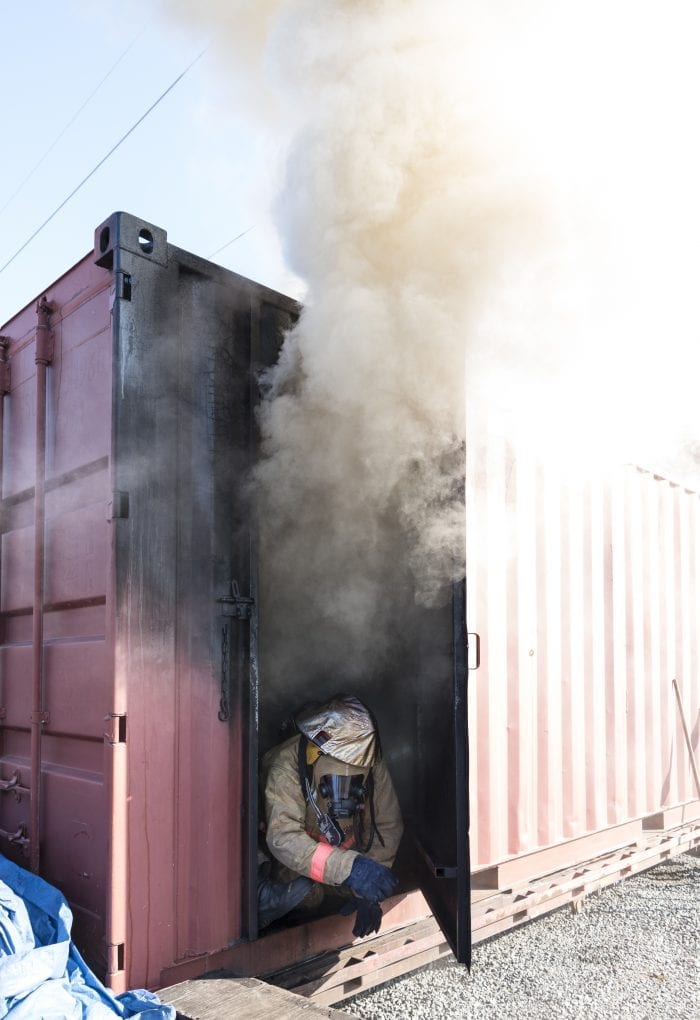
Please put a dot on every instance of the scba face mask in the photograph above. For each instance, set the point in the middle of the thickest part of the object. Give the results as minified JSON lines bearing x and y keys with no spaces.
{"x":337,"y":794}
{"x":344,"y":793}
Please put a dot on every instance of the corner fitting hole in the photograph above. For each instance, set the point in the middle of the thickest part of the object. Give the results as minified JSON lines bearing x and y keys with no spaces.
{"x":104,"y":240}
{"x":145,"y":241}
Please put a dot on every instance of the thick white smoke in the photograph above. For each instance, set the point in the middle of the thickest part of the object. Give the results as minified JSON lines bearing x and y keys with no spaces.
{"x":503,"y":188}
{"x":395,"y":218}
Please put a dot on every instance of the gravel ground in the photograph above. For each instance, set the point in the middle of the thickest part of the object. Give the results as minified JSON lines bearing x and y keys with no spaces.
{"x":632,"y":953}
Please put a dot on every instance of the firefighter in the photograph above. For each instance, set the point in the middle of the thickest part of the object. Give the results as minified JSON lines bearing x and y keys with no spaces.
{"x":333,"y":822}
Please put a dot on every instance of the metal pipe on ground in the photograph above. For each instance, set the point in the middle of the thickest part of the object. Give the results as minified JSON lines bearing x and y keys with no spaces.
{"x":686,"y":734}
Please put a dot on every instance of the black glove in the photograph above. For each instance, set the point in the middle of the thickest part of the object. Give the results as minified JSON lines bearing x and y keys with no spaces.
{"x":371,"y":881}
{"x":369,"y":916}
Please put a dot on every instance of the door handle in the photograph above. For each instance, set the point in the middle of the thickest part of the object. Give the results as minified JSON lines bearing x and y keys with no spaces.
{"x":477,"y":650}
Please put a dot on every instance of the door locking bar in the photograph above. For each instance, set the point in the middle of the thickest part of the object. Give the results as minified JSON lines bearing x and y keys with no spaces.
{"x":240,"y":607}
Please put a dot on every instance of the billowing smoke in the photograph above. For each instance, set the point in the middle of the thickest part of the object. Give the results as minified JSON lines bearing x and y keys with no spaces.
{"x":386,"y":194}
{"x":493,"y":207}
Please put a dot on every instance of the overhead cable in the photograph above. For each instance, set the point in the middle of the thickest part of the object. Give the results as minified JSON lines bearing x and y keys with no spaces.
{"x":102,"y":161}
{"x":228,"y":243}
{"x":73,"y":119}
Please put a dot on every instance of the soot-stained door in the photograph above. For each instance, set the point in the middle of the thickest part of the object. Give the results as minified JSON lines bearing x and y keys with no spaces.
{"x":440,"y":825}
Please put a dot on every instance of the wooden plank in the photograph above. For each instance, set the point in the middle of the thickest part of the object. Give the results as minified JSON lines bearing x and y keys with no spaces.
{"x":378,"y":947}
{"x":225,"y":997}
{"x":378,"y":977}
{"x":508,"y":909}
{"x":286,"y":947}
{"x":550,"y":859}
{"x":594,"y":875}
{"x":372,"y":962}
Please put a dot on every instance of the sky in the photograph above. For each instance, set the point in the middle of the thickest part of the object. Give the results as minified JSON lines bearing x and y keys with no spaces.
{"x":497,"y":209}
{"x":571,"y":182}
{"x":197,"y":166}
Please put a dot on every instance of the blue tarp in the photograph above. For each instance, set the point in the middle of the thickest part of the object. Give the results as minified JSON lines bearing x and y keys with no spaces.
{"x":42,"y":974}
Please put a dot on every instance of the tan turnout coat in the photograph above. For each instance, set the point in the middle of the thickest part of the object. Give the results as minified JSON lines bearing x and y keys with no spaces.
{"x":292,"y":833}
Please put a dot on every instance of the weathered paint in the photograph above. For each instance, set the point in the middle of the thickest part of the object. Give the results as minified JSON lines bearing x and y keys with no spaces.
{"x":149,"y":423}
{"x":584,"y":594}
{"x":585,"y":597}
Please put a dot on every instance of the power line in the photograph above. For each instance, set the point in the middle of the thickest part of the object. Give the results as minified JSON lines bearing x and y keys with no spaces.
{"x":228,"y":243}
{"x":102,"y":161}
{"x":73,"y":119}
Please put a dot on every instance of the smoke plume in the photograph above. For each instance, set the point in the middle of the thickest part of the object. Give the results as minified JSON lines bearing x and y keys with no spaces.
{"x":493,"y":207}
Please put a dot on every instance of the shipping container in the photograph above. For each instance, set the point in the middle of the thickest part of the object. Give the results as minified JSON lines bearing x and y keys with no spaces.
{"x":585,"y":596}
{"x":126,"y":579}
{"x":132,"y":703}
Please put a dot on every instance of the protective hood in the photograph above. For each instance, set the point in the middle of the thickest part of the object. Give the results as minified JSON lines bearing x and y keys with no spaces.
{"x":342,"y":728}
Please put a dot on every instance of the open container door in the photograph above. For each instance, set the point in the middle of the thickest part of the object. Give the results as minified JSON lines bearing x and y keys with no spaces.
{"x":441,"y":817}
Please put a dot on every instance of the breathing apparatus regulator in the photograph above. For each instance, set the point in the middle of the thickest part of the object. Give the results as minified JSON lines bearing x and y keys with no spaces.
{"x":344,"y":794}
{"x":337,"y":748}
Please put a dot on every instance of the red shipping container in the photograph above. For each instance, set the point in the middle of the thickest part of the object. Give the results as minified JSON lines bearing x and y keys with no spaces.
{"x":141,"y":360}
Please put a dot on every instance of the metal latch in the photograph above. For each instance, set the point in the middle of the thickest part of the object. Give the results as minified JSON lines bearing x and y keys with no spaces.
{"x":236,"y":605}
{"x":118,"y":506}
{"x":19,"y":837}
{"x":14,"y":786}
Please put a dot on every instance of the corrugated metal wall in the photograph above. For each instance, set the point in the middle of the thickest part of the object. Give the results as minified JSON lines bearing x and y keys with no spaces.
{"x":77,"y":677}
{"x":144,"y":760}
{"x":584,"y":594}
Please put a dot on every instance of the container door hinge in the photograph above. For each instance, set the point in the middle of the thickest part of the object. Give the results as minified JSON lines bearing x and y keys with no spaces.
{"x":4,"y":366}
{"x":44,"y":346}
{"x":118,"y":506}
{"x":115,"y":958}
{"x":240,"y":607}
{"x":115,"y":732}
{"x":123,"y":282}
{"x":121,"y":288}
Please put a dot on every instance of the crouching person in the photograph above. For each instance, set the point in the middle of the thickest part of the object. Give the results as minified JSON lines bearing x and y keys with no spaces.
{"x":333,"y":821}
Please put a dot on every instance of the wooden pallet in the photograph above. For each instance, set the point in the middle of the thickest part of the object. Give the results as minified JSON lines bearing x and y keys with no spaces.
{"x":332,"y":976}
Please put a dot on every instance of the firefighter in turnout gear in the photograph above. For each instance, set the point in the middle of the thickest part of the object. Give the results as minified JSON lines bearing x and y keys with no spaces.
{"x":333,"y":822}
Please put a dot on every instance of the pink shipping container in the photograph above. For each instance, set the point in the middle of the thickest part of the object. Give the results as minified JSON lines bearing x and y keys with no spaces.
{"x":586,"y":599}
{"x":131,"y":705}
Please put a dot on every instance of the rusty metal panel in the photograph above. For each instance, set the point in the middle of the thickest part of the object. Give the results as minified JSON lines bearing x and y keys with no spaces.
{"x":585,"y":597}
